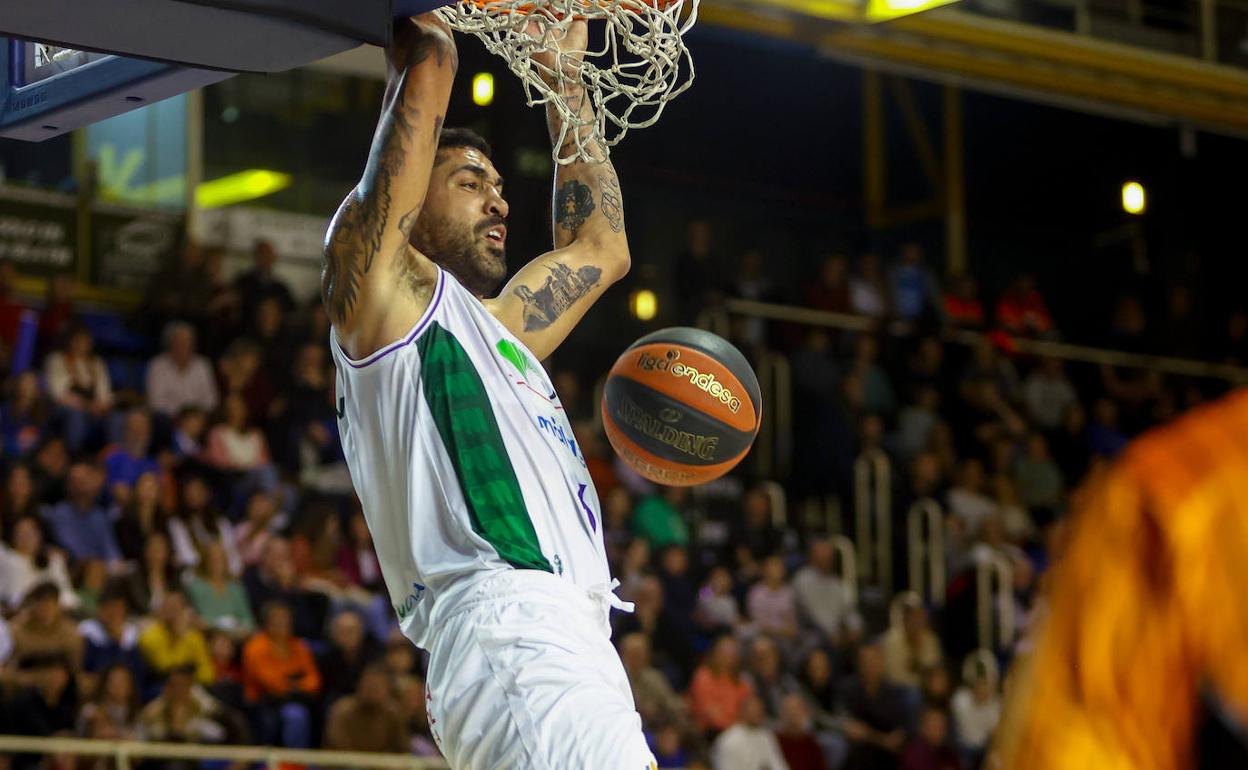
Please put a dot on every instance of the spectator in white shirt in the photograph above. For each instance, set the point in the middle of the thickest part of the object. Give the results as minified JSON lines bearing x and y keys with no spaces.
{"x":178,"y":377}
{"x":79,"y":385}
{"x":823,"y":598}
{"x":976,"y":710}
{"x":749,"y":744}
{"x":1048,"y":394}
{"x":910,"y":645}
{"x":968,"y":501}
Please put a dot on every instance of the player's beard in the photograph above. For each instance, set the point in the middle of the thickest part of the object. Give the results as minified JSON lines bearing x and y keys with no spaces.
{"x":460,"y":249}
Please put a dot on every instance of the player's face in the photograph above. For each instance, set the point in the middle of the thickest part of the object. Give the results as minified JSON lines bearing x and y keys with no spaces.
{"x":462,"y":225}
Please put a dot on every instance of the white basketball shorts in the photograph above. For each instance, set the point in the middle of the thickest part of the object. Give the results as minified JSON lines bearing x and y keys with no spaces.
{"x":523,"y":676}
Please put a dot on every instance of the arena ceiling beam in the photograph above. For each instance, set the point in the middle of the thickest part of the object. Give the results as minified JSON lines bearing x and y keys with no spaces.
{"x":952,"y":46}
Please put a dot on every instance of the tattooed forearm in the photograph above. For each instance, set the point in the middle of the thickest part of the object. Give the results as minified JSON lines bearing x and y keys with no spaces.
{"x":574,"y":202}
{"x":612,"y":208}
{"x":563,"y":287}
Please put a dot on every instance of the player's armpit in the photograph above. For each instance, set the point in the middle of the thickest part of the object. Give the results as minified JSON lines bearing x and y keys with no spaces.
{"x":367,"y":244}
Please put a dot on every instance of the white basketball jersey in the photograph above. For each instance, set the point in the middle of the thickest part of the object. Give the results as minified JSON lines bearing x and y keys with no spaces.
{"x":463,"y":459}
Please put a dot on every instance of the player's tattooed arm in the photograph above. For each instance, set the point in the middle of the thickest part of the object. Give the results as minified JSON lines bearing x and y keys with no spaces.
{"x":373,"y":223}
{"x":562,"y":289}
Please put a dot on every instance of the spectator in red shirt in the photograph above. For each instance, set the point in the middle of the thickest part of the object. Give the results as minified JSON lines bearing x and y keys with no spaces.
{"x":830,"y":290}
{"x":718,"y":688}
{"x":930,"y":750}
{"x":962,"y":305}
{"x":10,"y":308}
{"x":280,"y":677}
{"x":797,"y":739}
{"x":1021,"y":309}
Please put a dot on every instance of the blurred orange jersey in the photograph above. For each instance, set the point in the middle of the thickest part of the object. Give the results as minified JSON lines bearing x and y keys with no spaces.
{"x":1147,"y":603}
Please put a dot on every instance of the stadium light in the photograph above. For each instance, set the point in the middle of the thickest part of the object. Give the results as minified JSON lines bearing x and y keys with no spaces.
{"x":643,"y":304}
{"x":883,"y":10}
{"x":1134,"y":200}
{"x":483,"y":89}
{"x":236,"y":188}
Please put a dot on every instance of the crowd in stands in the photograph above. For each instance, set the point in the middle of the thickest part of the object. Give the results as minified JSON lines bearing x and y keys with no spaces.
{"x":184,"y":559}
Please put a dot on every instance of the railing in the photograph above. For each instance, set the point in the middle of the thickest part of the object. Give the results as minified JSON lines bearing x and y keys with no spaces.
{"x":1165,"y":364}
{"x":995,"y":565}
{"x":849,"y":568}
{"x":873,"y":499}
{"x":823,"y":515}
{"x":778,"y":502}
{"x":123,"y":752}
{"x":775,"y":381}
{"x":929,"y":547}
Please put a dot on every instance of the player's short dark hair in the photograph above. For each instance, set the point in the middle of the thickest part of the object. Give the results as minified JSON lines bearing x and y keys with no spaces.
{"x":464,"y":137}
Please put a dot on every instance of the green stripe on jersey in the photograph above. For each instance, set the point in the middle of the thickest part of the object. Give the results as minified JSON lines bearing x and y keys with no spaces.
{"x":461,"y":410}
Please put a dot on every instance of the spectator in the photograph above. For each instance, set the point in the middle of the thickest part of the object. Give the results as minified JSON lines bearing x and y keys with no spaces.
{"x":172,"y":640}
{"x":241,"y":451}
{"x":263,"y":521}
{"x":673,"y":650}
{"x":770,"y":682}
{"x":112,"y":714}
{"x":43,"y":629}
{"x":658,"y":518}
{"x":198,"y":524}
{"x":976,"y":712}
{"x":878,"y":396}
{"x":27,"y":562}
{"x":368,"y":720}
{"x":1016,"y":521}
{"x":261,"y":282}
{"x":244,"y":373}
{"x":350,"y":651}
{"x":51,"y":470}
{"x":718,"y":689}
{"x":915,"y":291}
{"x":822,"y":597}
{"x":968,"y":501}
{"x":667,"y":746}
{"x":80,"y":524}
{"x":698,"y":276}
{"x":155,"y":574}
{"x":680,"y":593}
{"x":1022,"y":310}
{"x":18,"y":500}
{"x":717,"y":610}
{"x":868,"y":294}
{"x":79,"y":385}
{"x":916,"y":422}
{"x":112,"y":639}
{"x":875,"y":715}
{"x":771,"y":603}
{"x":305,"y":402}
{"x":796,"y":736}
{"x":357,"y":559}
{"x":910,"y":647}
{"x":178,"y":377}
{"x":10,"y":308}
{"x":1040,"y":482}
{"x":930,"y":750}
{"x":92,"y":576}
{"x":24,"y":417}
{"x":962,"y":305}
{"x":125,"y":462}
{"x":56,"y":319}
{"x":755,"y":536}
{"x":142,"y":514}
{"x":217,"y":596}
{"x":45,"y":706}
{"x":179,"y":290}
{"x":830,"y":289}
{"x":277,"y":347}
{"x":190,"y":435}
{"x":1048,"y":394}
{"x":749,"y":744}
{"x":183,"y":713}
{"x":1105,"y":439}
{"x":657,"y":703}
{"x":280,"y":678}
{"x":819,"y":685}
{"x":275,"y":579}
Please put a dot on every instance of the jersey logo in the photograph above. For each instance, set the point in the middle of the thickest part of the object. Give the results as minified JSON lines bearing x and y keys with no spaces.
{"x":342,"y":407}
{"x":516,"y":355}
{"x":408,"y":605}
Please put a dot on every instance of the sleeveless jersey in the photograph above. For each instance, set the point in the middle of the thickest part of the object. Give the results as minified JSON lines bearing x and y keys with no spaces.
{"x":463,"y":460}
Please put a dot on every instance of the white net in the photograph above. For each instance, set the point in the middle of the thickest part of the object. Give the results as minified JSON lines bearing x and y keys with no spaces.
{"x":640,"y":65}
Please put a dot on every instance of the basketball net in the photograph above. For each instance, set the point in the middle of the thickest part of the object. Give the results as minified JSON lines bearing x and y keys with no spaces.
{"x":642,"y":64}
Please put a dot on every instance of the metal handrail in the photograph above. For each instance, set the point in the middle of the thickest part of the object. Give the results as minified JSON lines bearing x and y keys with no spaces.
{"x":849,"y":568}
{"x":823,"y":515}
{"x":998,"y":566}
{"x":779,"y":503}
{"x":929,"y":586}
{"x":775,"y":382}
{"x":873,"y":484}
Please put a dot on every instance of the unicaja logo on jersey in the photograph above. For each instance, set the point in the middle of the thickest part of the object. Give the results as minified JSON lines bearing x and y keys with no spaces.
{"x":704,"y":381}
{"x":408,"y":605}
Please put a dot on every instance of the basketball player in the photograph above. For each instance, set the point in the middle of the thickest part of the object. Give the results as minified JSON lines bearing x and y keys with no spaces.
{"x":1146,"y":611}
{"x":483,"y":514}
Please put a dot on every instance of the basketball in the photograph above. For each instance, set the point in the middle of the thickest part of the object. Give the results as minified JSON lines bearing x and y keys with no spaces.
{"x":681,"y":406}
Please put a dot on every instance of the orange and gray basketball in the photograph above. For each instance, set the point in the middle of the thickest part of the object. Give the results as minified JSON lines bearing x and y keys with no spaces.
{"x":682,"y":406}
